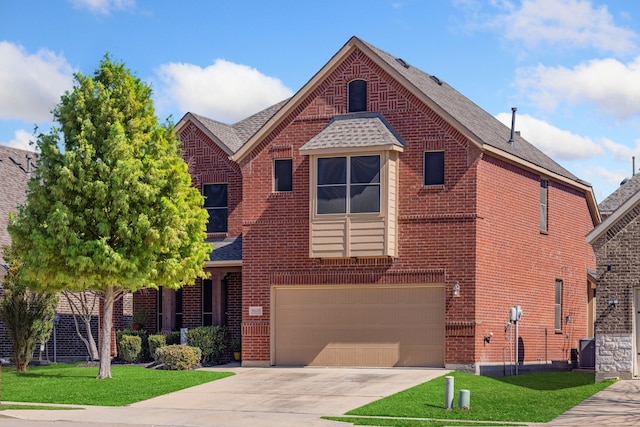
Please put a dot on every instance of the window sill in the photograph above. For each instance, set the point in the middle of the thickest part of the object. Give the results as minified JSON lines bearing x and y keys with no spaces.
{"x":544,"y":233}
{"x":219,"y":235}
{"x":432,"y":188}
{"x":280,"y":194}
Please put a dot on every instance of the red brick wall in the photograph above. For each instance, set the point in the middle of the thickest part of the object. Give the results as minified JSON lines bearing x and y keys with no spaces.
{"x":209,"y":164}
{"x":436,"y":225}
{"x":518,"y":265}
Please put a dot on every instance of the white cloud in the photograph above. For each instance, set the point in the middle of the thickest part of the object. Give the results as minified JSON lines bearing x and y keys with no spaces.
{"x":575,"y":23}
{"x":571,"y":24}
{"x":622,"y":152}
{"x":103,"y":7}
{"x":611,"y":85}
{"x":21,"y":140}
{"x":31,"y":85}
{"x":223,"y":91}
{"x":554,"y":142}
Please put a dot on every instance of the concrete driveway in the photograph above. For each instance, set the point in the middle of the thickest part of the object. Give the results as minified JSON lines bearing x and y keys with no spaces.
{"x":254,"y":396}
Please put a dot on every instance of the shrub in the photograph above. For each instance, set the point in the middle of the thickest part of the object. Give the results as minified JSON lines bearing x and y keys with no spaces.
{"x":211,"y":340}
{"x":155,"y":342}
{"x":173,"y":338}
{"x":145,"y":356}
{"x":178,"y":356}
{"x":130,"y":348}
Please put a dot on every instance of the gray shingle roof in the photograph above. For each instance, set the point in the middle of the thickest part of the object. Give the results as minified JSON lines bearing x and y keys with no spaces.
{"x":487,"y":128}
{"x":228,"y":249}
{"x":234,"y":136}
{"x":355,"y":130}
{"x":619,"y":196}
{"x":14,"y":164}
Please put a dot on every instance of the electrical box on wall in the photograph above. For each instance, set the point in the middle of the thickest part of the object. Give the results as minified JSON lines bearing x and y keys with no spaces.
{"x":515,"y":313}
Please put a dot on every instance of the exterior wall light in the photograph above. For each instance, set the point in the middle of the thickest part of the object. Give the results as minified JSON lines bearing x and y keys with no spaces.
{"x":456,"y":290}
{"x":613,"y":303}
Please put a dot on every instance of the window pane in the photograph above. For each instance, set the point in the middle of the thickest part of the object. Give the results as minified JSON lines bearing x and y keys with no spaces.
{"x":282,"y":172}
{"x":434,"y":168}
{"x":215,"y":195}
{"x":365,"y":169}
{"x":217,"y":221}
{"x":558,"y":305}
{"x":207,"y":296}
{"x":207,"y":320}
{"x":543,"y":205}
{"x":332,"y":199}
{"x":332,"y":170}
{"x":357,"y":96}
{"x":365,"y":198}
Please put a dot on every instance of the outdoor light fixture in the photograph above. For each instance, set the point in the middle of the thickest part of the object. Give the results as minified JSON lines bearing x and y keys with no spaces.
{"x":487,"y":338}
{"x":613,"y":303}
{"x":456,"y":290}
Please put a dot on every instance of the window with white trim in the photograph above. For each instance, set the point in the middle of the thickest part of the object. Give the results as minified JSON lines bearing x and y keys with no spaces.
{"x":357,"y":96}
{"x":544,"y":205}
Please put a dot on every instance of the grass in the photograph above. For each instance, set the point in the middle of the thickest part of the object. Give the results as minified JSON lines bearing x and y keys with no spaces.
{"x":523,"y":398}
{"x":71,"y":384}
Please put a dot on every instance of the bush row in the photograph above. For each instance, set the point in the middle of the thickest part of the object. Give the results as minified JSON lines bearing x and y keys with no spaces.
{"x":205,"y":344}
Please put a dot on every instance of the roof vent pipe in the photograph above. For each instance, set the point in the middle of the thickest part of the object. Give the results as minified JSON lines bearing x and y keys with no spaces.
{"x":633,"y":165}
{"x":513,"y":124}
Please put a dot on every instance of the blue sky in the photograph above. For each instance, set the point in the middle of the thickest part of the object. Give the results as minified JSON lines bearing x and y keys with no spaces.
{"x":571,"y":67}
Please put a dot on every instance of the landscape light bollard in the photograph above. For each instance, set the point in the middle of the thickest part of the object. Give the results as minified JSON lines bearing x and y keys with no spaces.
{"x":448,"y":392}
{"x":464,"y":400}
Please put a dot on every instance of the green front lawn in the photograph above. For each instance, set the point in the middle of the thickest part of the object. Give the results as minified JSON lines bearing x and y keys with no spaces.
{"x":523,"y":398}
{"x":71,"y":384}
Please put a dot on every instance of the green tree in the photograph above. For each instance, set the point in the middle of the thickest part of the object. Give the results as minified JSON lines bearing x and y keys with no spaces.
{"x":110,"y":207}
{"x":27,"y":314}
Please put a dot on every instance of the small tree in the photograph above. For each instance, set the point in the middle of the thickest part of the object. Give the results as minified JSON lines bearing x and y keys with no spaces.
{"x":27,"y":314}
{"x":110,"y":207}
{"x":83,"y":305}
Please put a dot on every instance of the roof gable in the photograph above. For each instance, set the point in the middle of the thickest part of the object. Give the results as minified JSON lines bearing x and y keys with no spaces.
{"x":617,"y":220}
{"x":230,"y":137}
{"x":620,"y":195}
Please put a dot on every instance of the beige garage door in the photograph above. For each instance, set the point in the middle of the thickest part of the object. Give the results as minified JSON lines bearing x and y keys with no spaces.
{"x":358,"y":326}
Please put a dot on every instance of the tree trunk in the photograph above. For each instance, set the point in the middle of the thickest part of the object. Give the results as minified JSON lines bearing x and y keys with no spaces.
{"x":107,"y":323}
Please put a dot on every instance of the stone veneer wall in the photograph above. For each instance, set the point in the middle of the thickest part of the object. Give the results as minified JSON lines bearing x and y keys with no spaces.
{"x":614,"y":356}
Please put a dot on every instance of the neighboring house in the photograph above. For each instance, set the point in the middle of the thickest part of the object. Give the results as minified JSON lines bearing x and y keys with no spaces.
{"x":15,"y":170}
{"x":616,"y":242}
{"x":380,"y":218}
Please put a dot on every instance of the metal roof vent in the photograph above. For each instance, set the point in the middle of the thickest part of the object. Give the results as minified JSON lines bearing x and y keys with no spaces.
{"x":402,"y":62}
{"x":437,"y":80}
{"x":513,"y":124}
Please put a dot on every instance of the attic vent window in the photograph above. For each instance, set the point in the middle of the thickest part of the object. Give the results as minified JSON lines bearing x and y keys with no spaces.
{"x":437,"y":80}
{"x":402,"y":62}
{"x":357,"y":96}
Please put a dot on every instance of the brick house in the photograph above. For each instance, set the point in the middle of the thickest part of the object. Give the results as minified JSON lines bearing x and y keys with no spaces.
{"x":615,"y":241}
{"x":380,"y":218}
{"x":15,"y":168}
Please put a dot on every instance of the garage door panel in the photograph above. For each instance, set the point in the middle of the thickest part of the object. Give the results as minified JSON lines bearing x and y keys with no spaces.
{"x":359,"y":326}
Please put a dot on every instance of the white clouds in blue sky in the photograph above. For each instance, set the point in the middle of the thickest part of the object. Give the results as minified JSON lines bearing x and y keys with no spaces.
{"x":237,"y":90}
{"x":572,"y":67}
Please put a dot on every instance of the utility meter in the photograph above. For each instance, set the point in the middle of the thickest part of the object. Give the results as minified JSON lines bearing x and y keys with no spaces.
{"x":515,"y":313}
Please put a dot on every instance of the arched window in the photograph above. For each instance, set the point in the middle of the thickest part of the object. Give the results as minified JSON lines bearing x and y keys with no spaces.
{"x":357,"y":96}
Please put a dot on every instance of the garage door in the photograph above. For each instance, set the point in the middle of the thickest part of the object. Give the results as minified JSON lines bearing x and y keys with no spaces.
{"x":358,"y":326}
